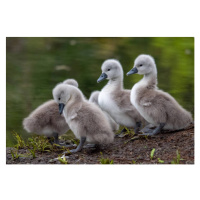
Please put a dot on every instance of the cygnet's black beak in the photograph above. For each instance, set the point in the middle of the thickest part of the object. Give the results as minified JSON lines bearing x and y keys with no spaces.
{"x":132,"y":71}
{"x":102,"y":77}
{"x":61,"y":107}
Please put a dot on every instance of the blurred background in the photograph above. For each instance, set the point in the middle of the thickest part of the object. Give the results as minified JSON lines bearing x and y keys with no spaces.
{"x":35,"y":65}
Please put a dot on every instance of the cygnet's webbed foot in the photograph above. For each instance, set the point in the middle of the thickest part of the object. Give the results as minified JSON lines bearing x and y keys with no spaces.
{"x":122,"y":133}
{"x":137,"y":127}
{"x":73,"y":151}
{"x":63,"y":145}
{"x":67,"y":145}
{"x":56,"y":141}
{"x":90,"y":146}
{"x":79,"y":147}
{"x":150,"y":132}
{"x":147,"y":132}
{"x":147,"y":128}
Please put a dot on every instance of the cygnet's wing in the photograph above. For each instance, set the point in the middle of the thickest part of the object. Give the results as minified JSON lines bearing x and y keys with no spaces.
{"x":146,"y":101}
{"x":73,"y":110}
{"x":154,"y":98}
{"x":122,"y":99}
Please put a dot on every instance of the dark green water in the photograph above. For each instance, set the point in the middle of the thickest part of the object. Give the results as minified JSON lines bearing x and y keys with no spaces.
{"x":35,"y":65}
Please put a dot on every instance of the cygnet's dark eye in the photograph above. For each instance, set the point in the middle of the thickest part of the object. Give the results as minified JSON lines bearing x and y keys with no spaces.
{"x":140,"y":65}
{"x":108,"y":69}
{"x":59,"y":98}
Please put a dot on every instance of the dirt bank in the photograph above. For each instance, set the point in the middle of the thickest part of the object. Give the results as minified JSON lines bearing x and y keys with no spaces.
{"x":123,"y":151}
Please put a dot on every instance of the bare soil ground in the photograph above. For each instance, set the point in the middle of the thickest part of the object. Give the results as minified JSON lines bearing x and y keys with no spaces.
{"x":124,"y":151}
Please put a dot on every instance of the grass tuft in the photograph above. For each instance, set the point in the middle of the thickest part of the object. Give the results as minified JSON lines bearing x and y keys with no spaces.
{"x":177,"y":159}
{"x":20,"y":142}
{"x":62,"y":160}
{"x":34,"y":144}
{"x":161,"y":161}
{"x":105,"y":160}
{"x":15,"y":154}
{"x":152,"y":153}
{"x":40,"y":144}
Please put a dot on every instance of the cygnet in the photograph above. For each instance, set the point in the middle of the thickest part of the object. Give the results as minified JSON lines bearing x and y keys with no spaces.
{"x":114,"y":99}
{"x":157,"y":107}
{"x":46,"y":120}
{"x":85,"y":119}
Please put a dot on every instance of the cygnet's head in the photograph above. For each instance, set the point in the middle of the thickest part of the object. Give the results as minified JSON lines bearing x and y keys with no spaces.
{"x":71,"y":82}
{"x":62,"y":93}
{"x":94,"y":97}
{"x":111,"y":70}
{"x":144,"y":64}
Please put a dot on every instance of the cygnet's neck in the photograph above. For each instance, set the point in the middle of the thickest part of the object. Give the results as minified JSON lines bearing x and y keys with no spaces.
{"x":116,"y":83}
{"x":74,"y":99}
{"x":150,"y":80}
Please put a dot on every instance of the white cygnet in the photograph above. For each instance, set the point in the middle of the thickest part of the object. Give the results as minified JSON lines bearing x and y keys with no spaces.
{"x":114,"y":99}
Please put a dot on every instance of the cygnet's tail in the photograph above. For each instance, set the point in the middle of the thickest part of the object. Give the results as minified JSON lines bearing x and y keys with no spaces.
{"x":185,"y":119}
{"x":105,"y":137}
{"x":29,"y":124}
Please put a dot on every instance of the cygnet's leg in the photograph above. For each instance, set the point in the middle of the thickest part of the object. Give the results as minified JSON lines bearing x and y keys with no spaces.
{"x":137,"y":127}
{"x":55,"y":135}
{"x":155,"y":131}
{"x":79,"y":147}
{"x":49,"y":139}
{"x":123,"y":131}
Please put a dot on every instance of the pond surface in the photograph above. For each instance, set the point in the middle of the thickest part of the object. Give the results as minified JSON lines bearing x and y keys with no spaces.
{"x":35,"y":65}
